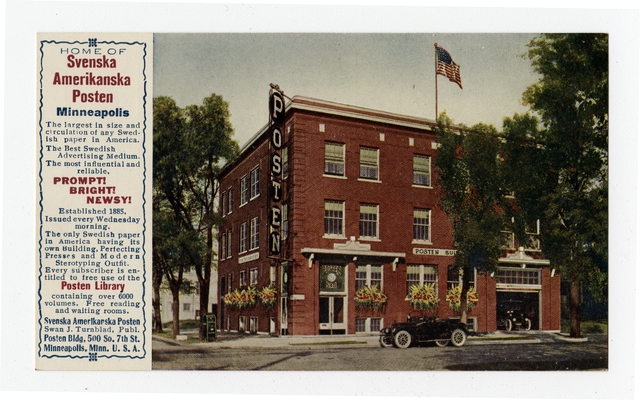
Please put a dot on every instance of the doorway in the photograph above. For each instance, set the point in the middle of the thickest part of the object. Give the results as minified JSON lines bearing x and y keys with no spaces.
{"x":332,"y":312}
{"x":527,"y":303}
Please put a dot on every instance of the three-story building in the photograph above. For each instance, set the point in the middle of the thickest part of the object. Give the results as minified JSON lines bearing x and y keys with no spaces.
{"x":348,"y":196}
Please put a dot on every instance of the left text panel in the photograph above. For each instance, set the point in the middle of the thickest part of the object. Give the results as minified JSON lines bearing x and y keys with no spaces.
{"x":94,"y":133}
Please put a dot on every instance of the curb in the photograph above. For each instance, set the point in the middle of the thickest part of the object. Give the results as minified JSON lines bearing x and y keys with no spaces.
{"x":564,"y":338}
{"x":362,"y":342}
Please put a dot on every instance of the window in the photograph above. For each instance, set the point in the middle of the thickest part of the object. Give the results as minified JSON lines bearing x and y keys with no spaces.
{"x":472,"y":323}
{"x":422,"y":170}
{"x":334,"y":159}
{"x":533,"y":236}
{"x":455,"y":275}
{"x":224,"y":203}
{"x":229,"y":243}
{"x":254,"y":234}
{"x":421,"y":275}
{"x":333,"y":217}
{"x":242,"y":324}
{"x":243,"y":278}
{"x":285,"y":221}
{"x":255,"y":182}
{"x":368,"y":220}
{"x":223,"y":246}
{"x":508,"y":239}
{"x":244,"y":188}
{"x":285,"y":162}
{"x":230,"y":283}
{"x":272,"y":275}
{"x":368,"y":325}
{"x":368,"y":275}
{"x":253,"y":277}
{"x":368,"y":163}
{"x":422,"y":224}
{"x":518,"y":276}
{"x":253,"y":325}
{"x":186,"y":306}
{"x":230,"y":196}
{"x":243,"y":238}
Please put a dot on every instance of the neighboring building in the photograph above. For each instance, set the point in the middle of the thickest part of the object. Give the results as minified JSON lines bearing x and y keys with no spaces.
{"x":353,"y":204}
{"x":189,"y":303}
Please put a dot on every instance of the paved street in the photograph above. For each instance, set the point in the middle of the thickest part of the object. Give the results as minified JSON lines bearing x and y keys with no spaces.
{"x":534,"y":352}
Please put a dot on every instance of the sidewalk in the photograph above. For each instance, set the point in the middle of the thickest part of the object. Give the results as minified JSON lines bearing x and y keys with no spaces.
{"x":245,"y":340}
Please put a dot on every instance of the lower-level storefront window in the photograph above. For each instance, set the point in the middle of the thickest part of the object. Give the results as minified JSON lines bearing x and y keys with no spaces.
{"x":366,"y":325}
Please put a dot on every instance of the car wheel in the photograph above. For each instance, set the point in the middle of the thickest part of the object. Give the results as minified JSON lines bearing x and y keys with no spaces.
{"x":402,"y":339}
{"x":386,"y":341}
{"x":508,"y":325}
{"x":458,"y":337}
{"x":442,"y":343}
{"x":527,"y":324}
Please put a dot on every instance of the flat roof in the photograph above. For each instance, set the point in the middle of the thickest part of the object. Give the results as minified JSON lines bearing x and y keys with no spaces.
{"x":343,"y":110}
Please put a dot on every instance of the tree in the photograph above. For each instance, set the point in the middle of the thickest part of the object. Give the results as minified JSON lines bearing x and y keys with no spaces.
{"x":568,"y":158}
{"x":190,"y":145}
{"x":171,"y":246}
{"x":472,"y":195}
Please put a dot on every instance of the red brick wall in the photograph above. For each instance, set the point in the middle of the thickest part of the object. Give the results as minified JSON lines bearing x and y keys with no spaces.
{"x":305,"y":191}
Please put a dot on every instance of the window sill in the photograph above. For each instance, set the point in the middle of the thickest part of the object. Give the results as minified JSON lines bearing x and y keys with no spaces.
{"x":254,"y":197}
{"x":369,"y":180}
{"x":369,"y":239}
{"x":243,"y":204}
{"x":425,"y":242}
{"x":421,"y":186}
{"x":334,"y":176}
{"x":333,"y":237}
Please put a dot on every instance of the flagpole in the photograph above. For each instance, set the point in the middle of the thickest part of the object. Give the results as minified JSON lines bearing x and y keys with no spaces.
{"x":435,"y":48}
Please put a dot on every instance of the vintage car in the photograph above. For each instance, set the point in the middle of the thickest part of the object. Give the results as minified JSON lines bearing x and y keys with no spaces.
{"x":424,"y":330}
{"x":511,"y":316}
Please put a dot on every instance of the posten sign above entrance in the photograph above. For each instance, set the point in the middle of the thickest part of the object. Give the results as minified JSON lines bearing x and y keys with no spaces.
{"x":434,"y":252}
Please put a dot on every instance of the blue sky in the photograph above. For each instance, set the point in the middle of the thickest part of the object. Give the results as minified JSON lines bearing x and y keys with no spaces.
{"x":391,"y":72}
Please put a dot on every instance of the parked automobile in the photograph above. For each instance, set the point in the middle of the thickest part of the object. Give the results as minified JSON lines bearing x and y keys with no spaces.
{"x":512,"y":316}
{"x":424,"y":330}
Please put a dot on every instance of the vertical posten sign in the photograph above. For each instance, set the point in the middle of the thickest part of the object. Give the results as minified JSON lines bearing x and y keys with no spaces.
{"x":276,"y":116}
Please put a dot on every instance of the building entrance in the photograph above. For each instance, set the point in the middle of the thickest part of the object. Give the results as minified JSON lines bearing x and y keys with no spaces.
{"x":332,"y":315}
{"x":522,"y":308}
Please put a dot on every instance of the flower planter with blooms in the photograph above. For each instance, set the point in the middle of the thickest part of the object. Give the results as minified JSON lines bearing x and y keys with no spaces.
{"x":424,"y":297}
{"x":370,"y":297}
{"x":454,"y":294}
{"x":241,"y":299}
{"x":267,"y":296}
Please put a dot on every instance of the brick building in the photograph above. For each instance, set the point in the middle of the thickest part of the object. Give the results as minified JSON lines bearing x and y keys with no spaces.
{"x":329,"y":198}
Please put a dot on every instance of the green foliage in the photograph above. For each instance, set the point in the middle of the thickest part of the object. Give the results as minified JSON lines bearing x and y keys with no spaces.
{"x":472,"y":193}
{"x":565,"y":155}
{"x":190,"y":146}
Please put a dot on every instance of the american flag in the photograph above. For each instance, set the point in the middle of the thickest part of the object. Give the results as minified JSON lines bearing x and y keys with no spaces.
{"x":447,"y":67}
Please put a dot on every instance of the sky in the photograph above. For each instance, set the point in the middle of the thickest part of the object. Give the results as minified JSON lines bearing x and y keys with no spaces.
{"x":392,"y":72}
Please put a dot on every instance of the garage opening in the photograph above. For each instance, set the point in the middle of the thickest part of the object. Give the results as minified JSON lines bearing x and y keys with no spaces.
{"x":518,"y":310}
